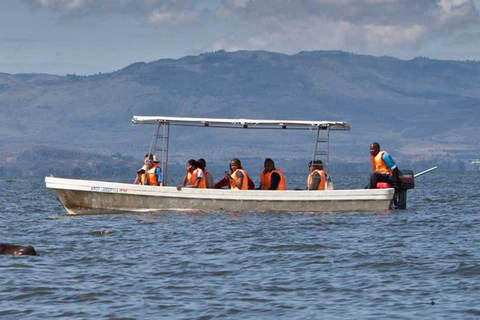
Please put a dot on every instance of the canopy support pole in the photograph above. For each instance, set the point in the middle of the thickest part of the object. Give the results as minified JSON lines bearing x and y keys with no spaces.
{"x":162,"y":133}
{"x":322,"y":147}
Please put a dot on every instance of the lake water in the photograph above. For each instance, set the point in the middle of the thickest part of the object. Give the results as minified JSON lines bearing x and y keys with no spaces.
{"x":423,"y":262}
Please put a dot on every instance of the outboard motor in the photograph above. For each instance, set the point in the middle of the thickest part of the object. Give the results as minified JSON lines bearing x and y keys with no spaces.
{"x":407,"y":182}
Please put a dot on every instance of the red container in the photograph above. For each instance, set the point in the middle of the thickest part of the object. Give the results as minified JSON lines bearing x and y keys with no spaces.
{"x":383,"y":185}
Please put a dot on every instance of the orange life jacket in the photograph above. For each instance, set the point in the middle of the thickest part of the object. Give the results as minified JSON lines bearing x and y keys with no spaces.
{"x":205,"y":173}
{"x":150,"y":176}
{"x":266,"y":180}
{"x":321,"y":185}
{"x":244,"y":182}
{"x":378,"y":165}
{"x":192,"y":178}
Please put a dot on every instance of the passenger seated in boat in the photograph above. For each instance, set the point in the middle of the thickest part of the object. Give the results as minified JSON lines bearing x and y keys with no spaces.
{"x":202,"y":164}
{"x":194,"y":176}
{"x":224,"y":182}
{"x":150,"y":173}
{"x":141,"y":171}
{"x":317,"y":177}
{"x":271,"y":178}
{"x":238,"y":178}
{"x":384,"y":168}
{"x":158,"y":170}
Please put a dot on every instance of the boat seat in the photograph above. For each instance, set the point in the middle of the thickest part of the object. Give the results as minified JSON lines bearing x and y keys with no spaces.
{"x":383,"y":185}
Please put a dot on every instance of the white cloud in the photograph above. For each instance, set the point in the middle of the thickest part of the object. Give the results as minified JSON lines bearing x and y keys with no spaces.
{"x":454,"y":10}
{"x":155,"y":12}
{"x":380,"y":38}
{"x":227,"y":7}
{"x":370,"y":26}
{"x":226,"y":44}
{"x":60,"y":5}
{"x":158,"y":17}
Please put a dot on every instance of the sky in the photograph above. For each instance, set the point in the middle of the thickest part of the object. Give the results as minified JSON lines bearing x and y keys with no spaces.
{"x":97,"y":36}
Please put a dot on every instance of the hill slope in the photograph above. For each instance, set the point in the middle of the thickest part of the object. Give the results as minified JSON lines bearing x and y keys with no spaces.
{"x":418,"y":109}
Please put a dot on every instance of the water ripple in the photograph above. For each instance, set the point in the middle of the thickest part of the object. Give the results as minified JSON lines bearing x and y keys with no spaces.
{"x":242,"y":265}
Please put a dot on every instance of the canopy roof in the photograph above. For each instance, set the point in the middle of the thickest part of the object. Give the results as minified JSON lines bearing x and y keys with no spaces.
{"x":242,"y":123}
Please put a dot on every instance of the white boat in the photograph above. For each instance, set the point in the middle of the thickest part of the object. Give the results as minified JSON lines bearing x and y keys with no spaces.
{"x":95,"y":197}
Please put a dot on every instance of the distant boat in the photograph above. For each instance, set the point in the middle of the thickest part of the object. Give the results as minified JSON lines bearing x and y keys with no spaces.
{"x":96,"y":197}
{"x":475,"y":161}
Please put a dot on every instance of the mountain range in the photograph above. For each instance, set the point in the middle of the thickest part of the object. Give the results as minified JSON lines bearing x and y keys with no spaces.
{"x":422,"y":111}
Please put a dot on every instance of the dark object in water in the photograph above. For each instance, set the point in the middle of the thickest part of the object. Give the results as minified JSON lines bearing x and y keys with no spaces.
{"x":6,"y":248}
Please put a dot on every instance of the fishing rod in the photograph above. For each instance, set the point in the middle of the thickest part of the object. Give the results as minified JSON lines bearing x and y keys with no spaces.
{"x":426,"y":171}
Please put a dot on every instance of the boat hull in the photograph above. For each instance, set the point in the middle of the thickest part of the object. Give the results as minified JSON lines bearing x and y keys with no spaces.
{"x":97,"y":197}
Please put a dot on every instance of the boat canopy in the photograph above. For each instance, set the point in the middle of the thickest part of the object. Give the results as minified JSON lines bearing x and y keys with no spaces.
{"x":161,"y":132}
{"x":242,"y":123}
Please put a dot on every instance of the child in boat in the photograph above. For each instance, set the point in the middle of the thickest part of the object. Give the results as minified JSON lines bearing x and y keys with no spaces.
{"x":194,"y":176}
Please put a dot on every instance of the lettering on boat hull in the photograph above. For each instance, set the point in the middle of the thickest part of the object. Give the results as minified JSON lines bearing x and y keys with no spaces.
{"x":110,"y":190}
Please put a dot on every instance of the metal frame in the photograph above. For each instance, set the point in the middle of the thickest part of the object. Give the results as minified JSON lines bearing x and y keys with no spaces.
{"x":242,"y":123}
{"x":166,"y":122}
{"x":326,"y":151}
{"x":165,"y":138}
